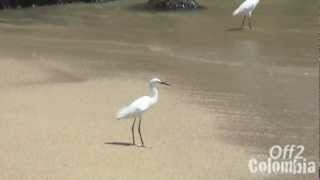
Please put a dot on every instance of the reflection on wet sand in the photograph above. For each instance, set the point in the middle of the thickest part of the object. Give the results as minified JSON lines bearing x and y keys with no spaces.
{"x":247,"y":90}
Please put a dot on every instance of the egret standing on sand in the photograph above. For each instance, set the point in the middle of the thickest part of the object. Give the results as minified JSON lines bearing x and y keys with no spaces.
{"x":141,"y":105}
{"x":246,"y":9}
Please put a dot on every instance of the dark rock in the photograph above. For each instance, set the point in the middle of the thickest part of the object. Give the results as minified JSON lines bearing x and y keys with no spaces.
{"x":174,"y":4}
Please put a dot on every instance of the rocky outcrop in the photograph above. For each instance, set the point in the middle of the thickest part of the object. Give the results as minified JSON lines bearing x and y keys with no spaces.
{"x":6,"y":4}
{"x":174,"y":4}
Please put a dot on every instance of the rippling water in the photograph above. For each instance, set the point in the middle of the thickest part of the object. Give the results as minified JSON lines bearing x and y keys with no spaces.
{"x":261,"y":84}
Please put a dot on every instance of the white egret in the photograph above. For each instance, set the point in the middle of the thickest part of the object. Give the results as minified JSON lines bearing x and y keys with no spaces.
{"x":246,"y":9}
{"x":141,"y":105}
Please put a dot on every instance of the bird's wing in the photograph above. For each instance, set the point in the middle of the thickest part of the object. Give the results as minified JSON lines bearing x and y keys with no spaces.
{"x":245,"y":7}
{"x":125,"y":112}
{"x":137,"y":106}
{"x":141,"y":104}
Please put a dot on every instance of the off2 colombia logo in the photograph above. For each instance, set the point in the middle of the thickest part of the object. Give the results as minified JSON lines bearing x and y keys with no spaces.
{"x":287,"y":159}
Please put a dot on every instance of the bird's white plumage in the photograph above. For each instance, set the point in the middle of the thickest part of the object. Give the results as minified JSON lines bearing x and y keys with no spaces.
{"x":246,"y":8}
{"x":137,"y":107}
{"x":142,"y":104}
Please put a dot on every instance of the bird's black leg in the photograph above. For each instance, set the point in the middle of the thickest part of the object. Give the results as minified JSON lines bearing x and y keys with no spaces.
{"x":132,"y":131}
{"x":243,"y":21}
{"x":139,"y":129}
{"x":250,"y":23}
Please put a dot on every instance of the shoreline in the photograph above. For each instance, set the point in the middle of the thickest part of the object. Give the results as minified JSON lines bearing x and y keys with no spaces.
{"x":64,"y":73}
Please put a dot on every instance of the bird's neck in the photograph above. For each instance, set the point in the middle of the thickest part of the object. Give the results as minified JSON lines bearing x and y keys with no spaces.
{"x":154,"y":93}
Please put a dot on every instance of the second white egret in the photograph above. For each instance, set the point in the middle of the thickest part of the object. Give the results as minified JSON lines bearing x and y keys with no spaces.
{"x":246,"y":9}
{"x":141,"y":105}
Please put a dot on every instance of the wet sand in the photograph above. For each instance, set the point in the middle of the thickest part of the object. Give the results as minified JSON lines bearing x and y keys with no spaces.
{"x":64,"y":72}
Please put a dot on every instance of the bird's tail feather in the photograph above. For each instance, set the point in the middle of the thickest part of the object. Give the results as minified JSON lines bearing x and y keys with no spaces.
{"x":236,"y":12}
{"x":123,"y":113}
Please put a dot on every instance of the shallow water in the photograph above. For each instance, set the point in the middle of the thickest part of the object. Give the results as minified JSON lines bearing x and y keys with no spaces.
{"x":262,"y":85}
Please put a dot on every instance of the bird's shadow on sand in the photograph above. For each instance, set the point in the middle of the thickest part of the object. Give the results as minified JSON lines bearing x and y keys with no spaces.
{"x":119,"y":143}
{"x":124,"y":144}
{"x":235,"y":29}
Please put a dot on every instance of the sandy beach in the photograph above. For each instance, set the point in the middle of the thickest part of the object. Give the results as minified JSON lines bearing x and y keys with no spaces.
{"x":65,"y":71}
{"x":69,"y":131}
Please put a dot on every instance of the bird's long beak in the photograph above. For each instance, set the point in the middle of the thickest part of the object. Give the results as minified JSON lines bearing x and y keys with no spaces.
{"x":165,"y":83}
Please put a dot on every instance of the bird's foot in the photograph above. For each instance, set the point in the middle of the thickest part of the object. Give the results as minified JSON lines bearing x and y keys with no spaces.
{"x":145,"y":147}
{"x":141,"y":145}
